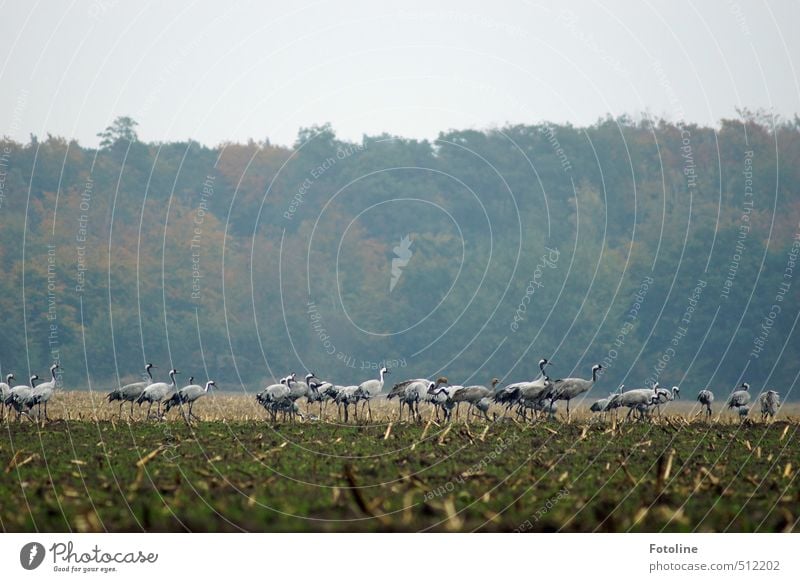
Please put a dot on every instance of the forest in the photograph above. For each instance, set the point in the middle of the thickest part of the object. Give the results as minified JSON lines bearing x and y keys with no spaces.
{"x":665,"y":251}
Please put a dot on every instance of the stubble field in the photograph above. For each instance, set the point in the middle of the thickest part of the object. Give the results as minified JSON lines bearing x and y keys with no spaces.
{"x":89,"y":470}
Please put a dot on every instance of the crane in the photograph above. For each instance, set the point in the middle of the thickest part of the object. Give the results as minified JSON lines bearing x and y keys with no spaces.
{"x":158,"y":392}
{"x":188,"y":395}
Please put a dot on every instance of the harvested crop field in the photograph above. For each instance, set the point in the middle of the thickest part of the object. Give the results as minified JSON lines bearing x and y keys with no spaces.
{"x":234,"y":471}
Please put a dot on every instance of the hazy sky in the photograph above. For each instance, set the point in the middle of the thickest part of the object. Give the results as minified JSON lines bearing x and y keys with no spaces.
{"x":263,"y":69}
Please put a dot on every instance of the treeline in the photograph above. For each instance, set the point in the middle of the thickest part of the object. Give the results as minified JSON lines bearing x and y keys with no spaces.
{"x":664,"y":251}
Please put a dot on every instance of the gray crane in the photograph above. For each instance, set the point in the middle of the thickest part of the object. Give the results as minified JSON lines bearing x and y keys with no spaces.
{"x":705,"y":398}
{"x":413,"y":394}
{"x":274,"y":398}
{"x":131,"y":392}
{"x":509,"y":395}
{"x":601,"y":405}
{"x":346,"y":396}
{"x":533,"y":394}
{"x":740,"y":398}
{"x":5,"y":390}
{"x":545,"y":407}
{"x":372,"y":388}
{"x":442,"y":399}
{"x":633,"y":400}
{"x":770,"y":402}
{"x":483,"y":405}
{"x":473,"y":394}
{"x":188,"y":395}
{"x":44,"y":392}
{"x":21,"y":398}
{"x":398,"y":390}
{"x":318,"y":392}
{"x":297,"y":389}
{"x":570,"y":388}
{"x":665,"y":396}
{"x":158,"y":392}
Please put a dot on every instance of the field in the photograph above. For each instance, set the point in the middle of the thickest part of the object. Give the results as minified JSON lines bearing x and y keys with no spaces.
{"x":87,"y":470}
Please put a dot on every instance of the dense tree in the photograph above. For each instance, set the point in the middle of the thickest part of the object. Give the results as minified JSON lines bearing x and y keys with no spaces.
{"x":123,"y":129}
{"x":658,"y":249}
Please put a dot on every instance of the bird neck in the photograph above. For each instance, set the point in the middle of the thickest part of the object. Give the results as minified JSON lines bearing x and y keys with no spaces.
{"x":53,"y":373}
{"x":149,"y":373}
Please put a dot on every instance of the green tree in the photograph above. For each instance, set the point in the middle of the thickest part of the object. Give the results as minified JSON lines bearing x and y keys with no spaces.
{"x":123,"y":129}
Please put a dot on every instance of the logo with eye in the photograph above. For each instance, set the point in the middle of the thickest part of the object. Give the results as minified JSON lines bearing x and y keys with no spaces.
{"x":402,"y":254}
{"x":31,"y":555}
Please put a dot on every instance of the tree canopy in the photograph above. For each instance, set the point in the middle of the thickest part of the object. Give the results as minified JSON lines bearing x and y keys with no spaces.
{"x":664,"y":251}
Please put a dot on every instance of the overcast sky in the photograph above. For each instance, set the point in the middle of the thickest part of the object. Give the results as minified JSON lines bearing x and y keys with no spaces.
{"x":263,"y":69}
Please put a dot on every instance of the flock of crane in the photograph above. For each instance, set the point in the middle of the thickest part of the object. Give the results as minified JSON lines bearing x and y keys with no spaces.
{"x":539,"y":397}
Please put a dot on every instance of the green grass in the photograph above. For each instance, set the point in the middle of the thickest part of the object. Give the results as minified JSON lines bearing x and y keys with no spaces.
{"x":232,"y":476}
